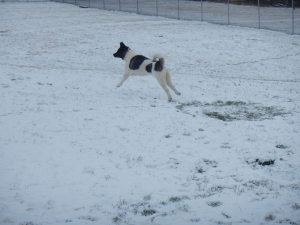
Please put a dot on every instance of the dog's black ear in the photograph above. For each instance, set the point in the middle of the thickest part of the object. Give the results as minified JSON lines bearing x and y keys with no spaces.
{"x":122,"y":44}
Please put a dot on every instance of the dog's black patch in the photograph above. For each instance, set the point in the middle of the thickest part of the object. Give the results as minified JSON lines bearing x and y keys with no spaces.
{"x":158,"y":66}
{"x":136,"y":62}
{"x":149,"y":68}
{"x":121,"y":51}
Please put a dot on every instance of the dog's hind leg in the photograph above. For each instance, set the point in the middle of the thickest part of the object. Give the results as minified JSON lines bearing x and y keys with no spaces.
{"x":126,"y":75}
{"x":169,"y":83}
{"x":162,"y":83}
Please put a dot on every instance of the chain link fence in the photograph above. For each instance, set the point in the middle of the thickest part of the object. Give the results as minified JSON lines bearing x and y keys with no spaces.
{"x":278,"y":15}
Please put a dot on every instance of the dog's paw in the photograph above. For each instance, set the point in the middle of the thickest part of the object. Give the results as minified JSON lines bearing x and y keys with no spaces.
{"x":170,"y":100}
{"x":178,"y":93}
{"x":118,"y":85}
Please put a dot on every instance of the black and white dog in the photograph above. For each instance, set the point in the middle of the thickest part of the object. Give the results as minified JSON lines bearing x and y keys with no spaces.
{"x":140,"y":65}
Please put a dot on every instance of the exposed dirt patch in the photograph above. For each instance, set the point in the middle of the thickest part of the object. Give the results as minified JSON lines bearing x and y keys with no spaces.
{"x":232,"y":110}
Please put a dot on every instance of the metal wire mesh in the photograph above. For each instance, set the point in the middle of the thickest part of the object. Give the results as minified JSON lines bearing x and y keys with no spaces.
{"x":279,"y":15}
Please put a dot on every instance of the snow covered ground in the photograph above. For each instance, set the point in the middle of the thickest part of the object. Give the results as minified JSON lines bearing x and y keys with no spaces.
{"x":74,"y":149}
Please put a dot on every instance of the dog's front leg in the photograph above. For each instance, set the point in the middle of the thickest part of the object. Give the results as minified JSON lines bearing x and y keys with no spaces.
{"x":126,"y":75}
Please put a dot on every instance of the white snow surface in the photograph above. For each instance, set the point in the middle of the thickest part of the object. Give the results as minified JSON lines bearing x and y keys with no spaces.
{"x":74,"y":149}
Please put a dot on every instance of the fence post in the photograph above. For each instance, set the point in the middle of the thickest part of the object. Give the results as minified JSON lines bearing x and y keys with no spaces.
{"x":119,"y":5}
{"x":228,"y":21}
{"x":293,"y":19}
{"x":137,"y":6}
{"x":178,"y":10}
{"x":201,"y":11}
{"x":156,"y":8}
{"x":258,"y":14}
{"x":103,"y":4}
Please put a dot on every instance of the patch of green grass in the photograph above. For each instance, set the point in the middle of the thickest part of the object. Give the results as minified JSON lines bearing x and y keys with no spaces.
{"x":295,"y":187}
{"x":235,"y":103}
{"x":148,"y":212}
{"x":257,"y":183}
{"x":147,"y":197}
{"x":135,"y":207}
{"x":270,"y":217}
{"x":288,"y":221}
{"x":214,"y":204}
{"x":213,"y":163}
{"x":296,"y":206}
{"x":200,"y":169}
{"x":116,"y":219}
{"x":178,"y":199}
{"x":193,"y":103}
{"x":233,"y":110}
{"x":174,"y":199}
{"x":216,"y":189}
{"x":219,"y":116}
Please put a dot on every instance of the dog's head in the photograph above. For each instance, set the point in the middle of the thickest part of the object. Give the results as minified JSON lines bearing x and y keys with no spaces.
{"x":121,"y":51}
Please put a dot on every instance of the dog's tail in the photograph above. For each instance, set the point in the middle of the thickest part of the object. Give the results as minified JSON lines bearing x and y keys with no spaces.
{"x":159,"y":62}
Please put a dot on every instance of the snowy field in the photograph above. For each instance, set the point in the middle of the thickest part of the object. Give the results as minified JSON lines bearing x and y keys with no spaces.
{"x":74,"y":149}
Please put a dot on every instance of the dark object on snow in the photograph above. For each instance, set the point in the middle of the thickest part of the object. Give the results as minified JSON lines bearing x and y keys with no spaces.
{"x":148,"y":212}
{"x":281,"y":146}
{"x":265,"y":163}
{"x":262,"y":163}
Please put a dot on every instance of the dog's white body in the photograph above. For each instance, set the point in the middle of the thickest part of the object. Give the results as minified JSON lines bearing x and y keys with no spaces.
{"x":139,"y":72}
{"x":139,"y":65}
